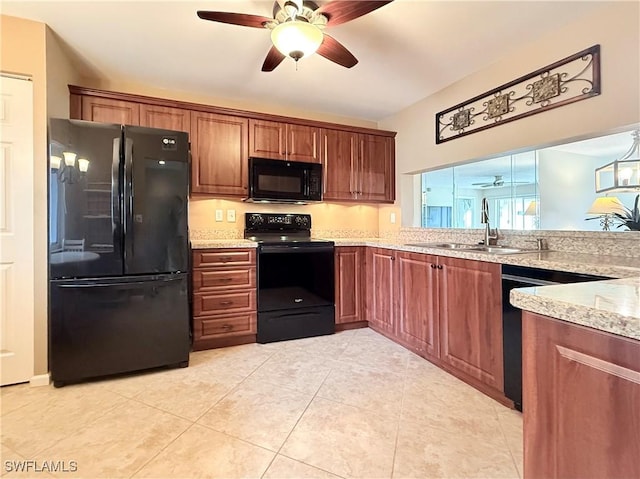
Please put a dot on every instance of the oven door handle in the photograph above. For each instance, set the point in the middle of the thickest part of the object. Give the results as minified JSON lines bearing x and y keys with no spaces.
{"x":295,"y":249}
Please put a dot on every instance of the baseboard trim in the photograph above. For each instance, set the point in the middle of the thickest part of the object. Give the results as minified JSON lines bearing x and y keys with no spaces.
{"x":39,"y":380}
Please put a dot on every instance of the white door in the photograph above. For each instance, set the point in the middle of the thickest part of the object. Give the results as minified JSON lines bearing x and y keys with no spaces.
{"x":16,"y":230}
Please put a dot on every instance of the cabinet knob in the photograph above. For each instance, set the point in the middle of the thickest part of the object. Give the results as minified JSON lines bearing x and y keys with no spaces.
{"x":433,"y":266}
{"x":439,"y":266}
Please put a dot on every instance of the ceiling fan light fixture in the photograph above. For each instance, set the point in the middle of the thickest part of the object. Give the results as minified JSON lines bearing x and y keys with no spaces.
{"x":297,"y":39}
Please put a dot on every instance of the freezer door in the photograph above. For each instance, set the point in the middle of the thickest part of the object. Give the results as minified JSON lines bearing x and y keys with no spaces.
{"x":85,"y":237}
{"x":114,"y":325}
{"x":155,"y":200}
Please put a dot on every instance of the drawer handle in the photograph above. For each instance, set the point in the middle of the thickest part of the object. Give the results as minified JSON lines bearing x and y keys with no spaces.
{"x":225,"y":280}
{"x":226,"y":303}
{"x":227,"y":327}
{"x":224,"y":259}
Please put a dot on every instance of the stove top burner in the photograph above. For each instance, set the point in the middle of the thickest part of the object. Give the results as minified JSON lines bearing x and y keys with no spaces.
{"x":282,"y":230}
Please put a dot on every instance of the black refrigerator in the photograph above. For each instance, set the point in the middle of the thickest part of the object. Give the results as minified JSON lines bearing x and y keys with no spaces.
{"x":118,"y":249}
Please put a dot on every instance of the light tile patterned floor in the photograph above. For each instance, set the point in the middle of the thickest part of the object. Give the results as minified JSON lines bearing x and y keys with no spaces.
{"x":353,"y":404}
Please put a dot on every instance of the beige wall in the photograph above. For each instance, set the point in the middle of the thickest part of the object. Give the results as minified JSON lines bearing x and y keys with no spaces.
{"x":23,"y":52}
{"x":60,"y":73}
{"x":616,"y":27}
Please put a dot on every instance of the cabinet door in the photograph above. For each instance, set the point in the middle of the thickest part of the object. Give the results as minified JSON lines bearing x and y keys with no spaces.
{"x":470,"y":305}
{"x":380,"y":308}
{"x":165,"y":117}
{"x":417,"y":314}
{"x":582,"y":401}
{"x":104,"y":110}
{"x":349,"y":290}
{"x":219,"y":154}
{"x":376,"y":177}
{"x":339,"y":156}
{"x":303,"y":143}
{"x":267,"y":139}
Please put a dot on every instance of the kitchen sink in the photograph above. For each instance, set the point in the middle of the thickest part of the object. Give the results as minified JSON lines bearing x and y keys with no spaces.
{"x":443,"y":245}
{"x":499,"y":249}
{"x":493,"y":249}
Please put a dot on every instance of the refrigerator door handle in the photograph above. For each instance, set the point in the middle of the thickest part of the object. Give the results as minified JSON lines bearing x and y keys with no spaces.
{"x":123,"y":283}
{"x":128,"y":199}
{"x":115,"y":195}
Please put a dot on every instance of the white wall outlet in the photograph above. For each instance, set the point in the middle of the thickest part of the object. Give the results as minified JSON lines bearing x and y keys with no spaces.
{"x":392,"y":218}
{"x":218,"y":215}
{"x":231,"y":216}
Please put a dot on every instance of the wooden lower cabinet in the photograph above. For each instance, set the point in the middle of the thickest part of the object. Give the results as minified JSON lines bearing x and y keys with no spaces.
{"x":447,"y":310}
{"x":349,"y":287}
{"x":224,"y":297}
{"x":417,"y":307}
{"x":470,"y":310}
{"x":582,"y":393}
{"x":381,"y":290}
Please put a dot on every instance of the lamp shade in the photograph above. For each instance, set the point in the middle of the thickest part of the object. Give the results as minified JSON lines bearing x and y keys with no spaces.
{"x":606,"y":205}
{"x":296,"y":39}
{"x":83,"y":165}
{"x":68,"y":158}
{"x":622,"y":174}
{"x":532,"y":209}
{"x":55,"y":162}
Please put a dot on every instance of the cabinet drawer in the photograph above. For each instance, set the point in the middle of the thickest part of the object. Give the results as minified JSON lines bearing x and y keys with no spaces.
{"x":240,"y":301}
{"x":212,"y":279}
{"x":219,"y":326}
{"x":224,"y":257}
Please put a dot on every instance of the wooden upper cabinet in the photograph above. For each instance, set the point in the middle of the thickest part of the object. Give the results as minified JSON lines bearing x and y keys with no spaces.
{"x":417,"y":308}
{"x":303,"y":143}
{"x":105,"y":110}
{"x":349,"y":287}
{"x":357,"y":166}
{"x":339,"y":157}
{"x":284,"y":141}
{"x":219,"y":154}
{"x":376,"y":175}
{"x":470,"y":306}
{"x":165,"y":117}
{"x":267,"y":139}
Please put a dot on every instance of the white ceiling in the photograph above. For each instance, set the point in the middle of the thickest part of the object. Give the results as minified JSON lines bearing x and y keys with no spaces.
{"x":407,"y":49}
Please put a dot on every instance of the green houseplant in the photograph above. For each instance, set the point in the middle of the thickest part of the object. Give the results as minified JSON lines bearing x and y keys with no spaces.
{"x":629,"y":218}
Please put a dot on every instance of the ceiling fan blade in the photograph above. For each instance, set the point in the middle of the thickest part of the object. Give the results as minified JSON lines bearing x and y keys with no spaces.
{"x":333,"y":50}
{"x":338,"y":11}
{"x":273,"y":59}
{"x":242,"y":19}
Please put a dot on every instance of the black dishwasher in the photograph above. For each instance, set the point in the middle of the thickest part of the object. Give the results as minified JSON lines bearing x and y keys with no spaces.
{"x":522,"y":277}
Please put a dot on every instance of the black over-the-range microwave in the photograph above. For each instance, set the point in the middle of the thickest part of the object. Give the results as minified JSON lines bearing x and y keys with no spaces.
{"x":284,"y":181}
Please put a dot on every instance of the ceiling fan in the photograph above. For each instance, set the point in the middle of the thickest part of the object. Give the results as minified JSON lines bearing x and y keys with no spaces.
{"x":297,"y":28}
{"x":497,"y":182}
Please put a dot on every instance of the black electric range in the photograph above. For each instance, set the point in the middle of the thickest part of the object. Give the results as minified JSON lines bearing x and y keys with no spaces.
{"x":295,"y":277}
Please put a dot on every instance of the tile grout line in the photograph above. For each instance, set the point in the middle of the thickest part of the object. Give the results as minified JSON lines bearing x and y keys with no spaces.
{"x":506,"y":442}
{"x":296,"y":425}
{"x":161,"y":450}
{"x":395,"y":448}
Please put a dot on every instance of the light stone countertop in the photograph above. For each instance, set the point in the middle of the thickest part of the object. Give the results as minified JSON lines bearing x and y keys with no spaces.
{"x":600,"y":265}
{"x":222,"y":243}
{"x":611,"y":305}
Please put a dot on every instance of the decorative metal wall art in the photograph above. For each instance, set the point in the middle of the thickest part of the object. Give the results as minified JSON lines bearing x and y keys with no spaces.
{"x":574,"y":78}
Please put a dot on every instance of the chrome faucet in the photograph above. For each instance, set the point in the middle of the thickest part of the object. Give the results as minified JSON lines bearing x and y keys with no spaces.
{"x":484,"y":219}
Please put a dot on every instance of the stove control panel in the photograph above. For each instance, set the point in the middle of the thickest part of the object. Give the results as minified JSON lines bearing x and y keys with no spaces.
{"x":277,"y":222}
